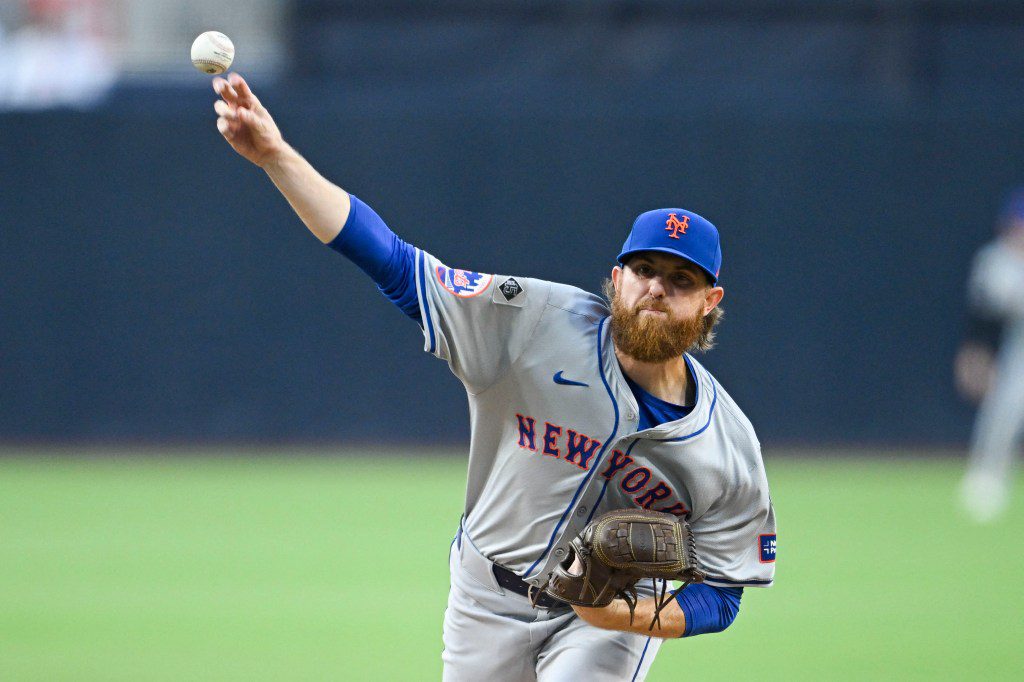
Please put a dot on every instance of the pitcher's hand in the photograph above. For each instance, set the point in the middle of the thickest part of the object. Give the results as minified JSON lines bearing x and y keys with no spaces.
{"x":244,"y":122}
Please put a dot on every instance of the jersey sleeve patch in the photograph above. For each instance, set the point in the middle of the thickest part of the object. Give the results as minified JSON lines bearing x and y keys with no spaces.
{"x":462,"y":283}
{"x":767,"y":543}
{"x":509,"y":291}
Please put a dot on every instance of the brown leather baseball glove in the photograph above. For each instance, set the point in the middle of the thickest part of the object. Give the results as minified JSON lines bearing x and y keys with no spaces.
{"x":620,"y":548}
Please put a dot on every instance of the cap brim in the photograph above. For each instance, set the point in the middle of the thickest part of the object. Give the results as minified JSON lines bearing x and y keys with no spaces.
{"x":627,"y":254}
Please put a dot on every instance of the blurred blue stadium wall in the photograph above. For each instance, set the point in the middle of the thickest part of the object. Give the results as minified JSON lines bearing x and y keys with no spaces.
{"x":154,"y":287}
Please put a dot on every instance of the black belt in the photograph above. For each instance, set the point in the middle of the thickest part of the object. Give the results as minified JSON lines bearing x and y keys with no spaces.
{"x":511,"y":581}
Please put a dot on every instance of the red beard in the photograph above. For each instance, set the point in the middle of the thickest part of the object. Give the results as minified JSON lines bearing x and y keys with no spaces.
{"x":652,"y":338}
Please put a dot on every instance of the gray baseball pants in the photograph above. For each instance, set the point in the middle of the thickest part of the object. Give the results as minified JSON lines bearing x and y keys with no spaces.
{"x":494,"y":635}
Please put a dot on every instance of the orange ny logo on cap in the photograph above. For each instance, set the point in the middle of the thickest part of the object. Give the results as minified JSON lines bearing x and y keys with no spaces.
{"x":675,"y":226}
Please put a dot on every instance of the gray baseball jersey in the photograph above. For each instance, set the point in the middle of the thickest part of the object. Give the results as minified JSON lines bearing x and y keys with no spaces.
{"x":554,"y":430}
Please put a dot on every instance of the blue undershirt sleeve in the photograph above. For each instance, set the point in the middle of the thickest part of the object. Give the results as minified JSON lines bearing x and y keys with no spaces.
{"x":390,"y":262}
{"x":708,"y":608}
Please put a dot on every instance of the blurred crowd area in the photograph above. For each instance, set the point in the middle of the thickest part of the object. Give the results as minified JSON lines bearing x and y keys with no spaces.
{"x":55,"y":52}
{"x":846,"y":53}
{"x":72,"y":53}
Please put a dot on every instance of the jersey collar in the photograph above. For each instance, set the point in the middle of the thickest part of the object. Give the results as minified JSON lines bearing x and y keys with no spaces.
{"x":690,"y":426}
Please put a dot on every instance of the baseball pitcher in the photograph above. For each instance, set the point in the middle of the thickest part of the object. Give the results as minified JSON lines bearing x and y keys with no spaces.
{"x":580,"y":406}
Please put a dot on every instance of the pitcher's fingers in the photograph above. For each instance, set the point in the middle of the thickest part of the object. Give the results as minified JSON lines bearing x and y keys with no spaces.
{"x":224,"y":127}
{"x":224,"y":109}
{"x":224,"y":89}
{"x":242,"y":88}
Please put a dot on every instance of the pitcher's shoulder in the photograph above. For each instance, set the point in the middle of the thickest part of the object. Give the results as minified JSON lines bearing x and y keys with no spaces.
{"x":577,"y":301}
{"x":729,"y":415}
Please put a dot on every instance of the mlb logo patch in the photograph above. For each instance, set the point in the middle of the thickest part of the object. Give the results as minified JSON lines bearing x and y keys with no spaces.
{"x":767,"y":543}
{"x":462,"y":283}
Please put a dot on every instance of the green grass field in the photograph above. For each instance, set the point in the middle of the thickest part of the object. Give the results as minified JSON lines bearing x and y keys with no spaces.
{"x":281,"y":568}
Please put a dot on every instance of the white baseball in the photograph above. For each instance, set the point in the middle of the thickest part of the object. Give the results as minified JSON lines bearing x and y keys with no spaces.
{"x":212,"y":52}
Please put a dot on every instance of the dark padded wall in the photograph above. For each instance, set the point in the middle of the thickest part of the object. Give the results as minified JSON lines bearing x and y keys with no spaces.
{"x":155,"y":287}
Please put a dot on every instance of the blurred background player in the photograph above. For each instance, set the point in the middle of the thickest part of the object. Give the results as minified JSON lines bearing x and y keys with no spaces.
{"x":990,"y":365}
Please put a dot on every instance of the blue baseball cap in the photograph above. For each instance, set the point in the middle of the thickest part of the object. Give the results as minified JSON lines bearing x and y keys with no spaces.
{"x":678,"y":232}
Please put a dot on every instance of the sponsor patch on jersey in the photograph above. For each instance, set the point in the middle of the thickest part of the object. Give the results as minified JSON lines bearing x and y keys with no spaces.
{"x":767,"y":543}
{"x":462,"y":283}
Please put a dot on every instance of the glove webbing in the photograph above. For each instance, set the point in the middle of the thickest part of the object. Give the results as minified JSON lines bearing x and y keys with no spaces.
{"x":628,"y":596}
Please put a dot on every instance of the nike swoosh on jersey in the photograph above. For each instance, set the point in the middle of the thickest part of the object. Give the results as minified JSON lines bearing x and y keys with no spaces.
{"x":559,"y":379}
